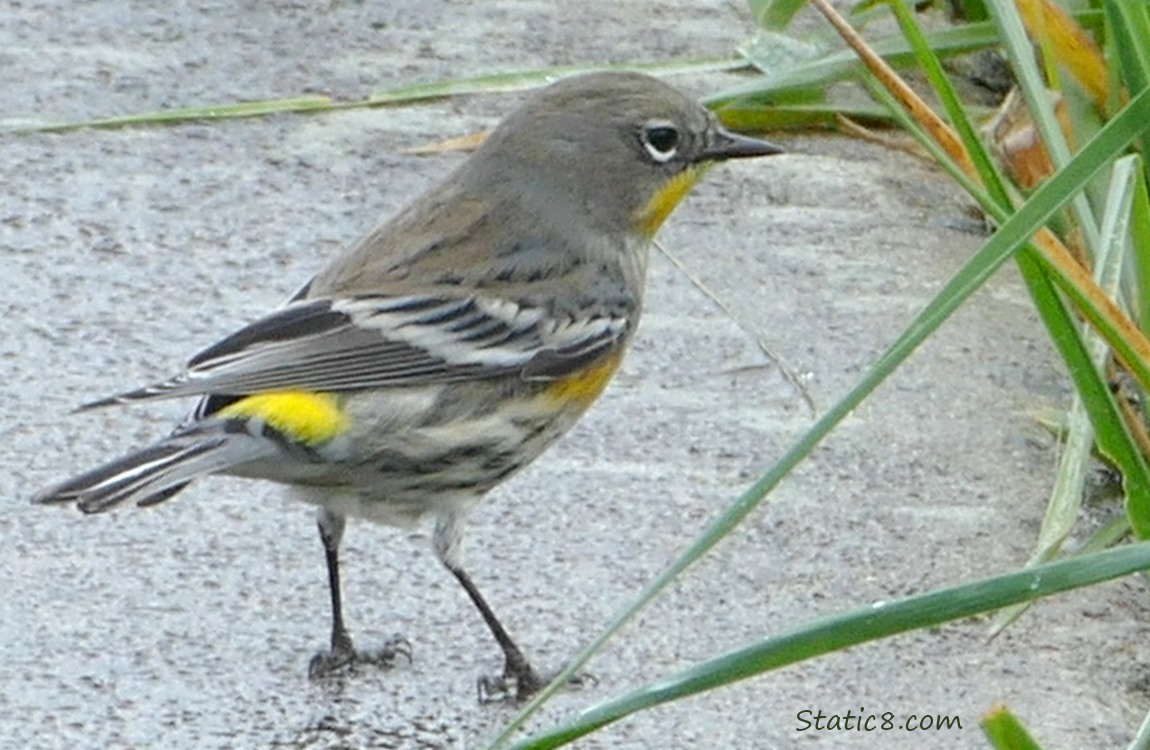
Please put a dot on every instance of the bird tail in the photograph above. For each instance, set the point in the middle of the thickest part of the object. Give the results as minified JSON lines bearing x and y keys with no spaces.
{"x":158,"y":472}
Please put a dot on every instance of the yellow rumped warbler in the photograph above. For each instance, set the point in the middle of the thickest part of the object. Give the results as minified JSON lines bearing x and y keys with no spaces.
{"x":452,"y":344}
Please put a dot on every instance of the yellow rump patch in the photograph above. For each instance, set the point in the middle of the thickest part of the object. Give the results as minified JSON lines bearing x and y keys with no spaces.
{"x":652,"y":215}
{"x":308,"y":418}
{"x":584,"y":387}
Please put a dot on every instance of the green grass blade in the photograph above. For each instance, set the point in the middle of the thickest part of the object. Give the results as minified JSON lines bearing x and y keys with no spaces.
{"x":774,"y":52}
{"x":932,"y":66}
{"x":974,"y":10}
{"x":402,"y":95}
{"x":775,"y":14}
{"x":1136,"y":484}
{"x":837,"y":632}
{"x":937,"y":152}
{"x":1006,"y":732}
{"x":1093,"y":402}
{"x":1111,"y":434}
{"x":845,"y":64}
{"x":1141,"y":740}
{"x":784,"y":116}
{"x":1066,"y":499}
{"x":1108,"y":535}
{"x":1127,"y":29}
{"x":192,"y":114}
{"x":1139,"y":296}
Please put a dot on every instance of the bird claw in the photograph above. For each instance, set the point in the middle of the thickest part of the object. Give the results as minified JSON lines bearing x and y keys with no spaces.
{"x":344,"y":657}
{"x":514,"y":687}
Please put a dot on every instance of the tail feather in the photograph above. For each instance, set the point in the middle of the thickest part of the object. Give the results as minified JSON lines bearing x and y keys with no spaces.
{"x":156,"y":473}
{"x":141,"y":480}
{"x":73,"y":489}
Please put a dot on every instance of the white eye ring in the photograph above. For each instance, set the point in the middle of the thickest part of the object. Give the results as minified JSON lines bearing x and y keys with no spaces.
{"x":661,"y":140}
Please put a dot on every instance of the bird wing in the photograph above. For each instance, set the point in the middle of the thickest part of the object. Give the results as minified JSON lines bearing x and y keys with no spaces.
{"x":372,"y":341}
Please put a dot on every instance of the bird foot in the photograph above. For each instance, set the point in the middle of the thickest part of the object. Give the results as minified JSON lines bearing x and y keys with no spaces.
{"x":517,"y":685}
{"x":343,"y":657}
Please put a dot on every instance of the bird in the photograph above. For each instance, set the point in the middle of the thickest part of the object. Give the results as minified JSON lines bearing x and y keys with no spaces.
{"x":449,"y":346}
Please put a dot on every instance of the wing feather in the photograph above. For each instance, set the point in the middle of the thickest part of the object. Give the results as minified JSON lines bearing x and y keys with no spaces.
{"x":375,"y":341}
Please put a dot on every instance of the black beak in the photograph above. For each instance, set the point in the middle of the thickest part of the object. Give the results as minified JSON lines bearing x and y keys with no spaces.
{"x":728,"y":145}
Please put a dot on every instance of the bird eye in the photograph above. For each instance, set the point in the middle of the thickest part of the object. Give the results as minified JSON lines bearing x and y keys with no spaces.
{"x":661,"y":141}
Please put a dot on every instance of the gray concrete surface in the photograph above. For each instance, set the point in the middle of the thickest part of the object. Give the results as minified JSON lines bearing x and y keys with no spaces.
{"x":190,"y":625}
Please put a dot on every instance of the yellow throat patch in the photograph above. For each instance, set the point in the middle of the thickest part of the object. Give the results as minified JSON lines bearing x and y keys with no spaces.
{"x":308,"y":418}
{"x":663,"y":202}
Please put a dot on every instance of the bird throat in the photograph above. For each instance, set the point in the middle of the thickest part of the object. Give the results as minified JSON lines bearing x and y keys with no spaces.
{"x":651,"y":216}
